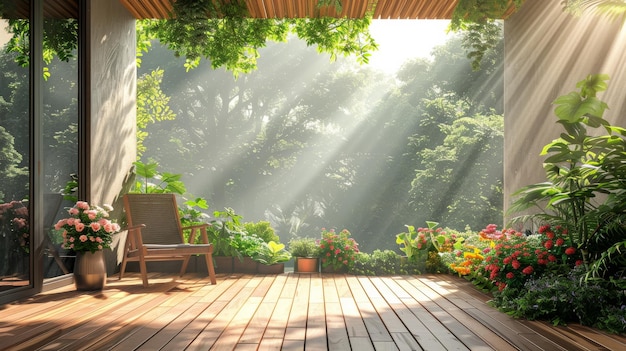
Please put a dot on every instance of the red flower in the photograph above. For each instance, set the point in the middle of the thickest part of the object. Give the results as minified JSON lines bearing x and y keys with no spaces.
{"x":515,"y":264}
{"x":570,"y":251}
{"x":510,"y":275}
{"x":579,"y":262}
{"x":528,"y":270}
{"x":560,"y":242}
{"x":552,"y":258}
{"x":548,"y":244}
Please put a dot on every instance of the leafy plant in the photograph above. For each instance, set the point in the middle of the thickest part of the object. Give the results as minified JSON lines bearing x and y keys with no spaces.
{"x":564,"y":298}
{"x":244,"y":244}
{"x":383,"y":262}
{"x":271,"y":253}
{"x":303,"y":247}
{"x":412,"y":243}
{"x":152,"y":181}
{"x":586,"y":178}
{"x":262,"y":229}
{"x":223,"y":227}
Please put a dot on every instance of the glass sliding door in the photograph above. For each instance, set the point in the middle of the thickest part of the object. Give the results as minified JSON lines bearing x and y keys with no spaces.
{"x":60,"y":130}
{"x":15,"y":230}
{"x":38,"y":126}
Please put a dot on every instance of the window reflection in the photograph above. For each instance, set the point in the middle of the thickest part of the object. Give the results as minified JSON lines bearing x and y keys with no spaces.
{"x":15,"y":230}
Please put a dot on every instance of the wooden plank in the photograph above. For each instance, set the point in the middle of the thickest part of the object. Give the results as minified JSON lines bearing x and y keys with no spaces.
{"x":288,"y":312}
{"x":610,"y":342}
{"x":374,"y":324}
{"x":509,"y":329}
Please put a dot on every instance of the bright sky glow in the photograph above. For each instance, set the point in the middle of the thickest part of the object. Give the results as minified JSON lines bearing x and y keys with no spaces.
{"x":399,"y":40}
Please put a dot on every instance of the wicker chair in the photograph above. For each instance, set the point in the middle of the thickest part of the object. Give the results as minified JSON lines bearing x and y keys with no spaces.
{"x":155,"y":234}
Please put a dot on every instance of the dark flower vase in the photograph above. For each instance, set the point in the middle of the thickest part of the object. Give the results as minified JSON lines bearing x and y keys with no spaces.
{"x":90,"y":271}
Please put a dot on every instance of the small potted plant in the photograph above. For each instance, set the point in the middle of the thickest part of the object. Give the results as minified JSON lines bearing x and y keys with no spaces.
{"x":337,"y":251}
{"x":246,"y":246}
{"x":271,"y":257}
{"x":305,"y":253}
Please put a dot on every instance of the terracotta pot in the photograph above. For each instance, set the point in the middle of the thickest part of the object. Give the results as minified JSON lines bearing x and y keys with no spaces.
{"x":277,"y":268}
{"x":307,"y":264}
{"x":90,"y":271}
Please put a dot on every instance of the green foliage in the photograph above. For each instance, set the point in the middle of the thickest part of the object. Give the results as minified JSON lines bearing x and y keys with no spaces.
{"x":480,"y":11}
{"x":245,"y":245}
{"x":222,"y":33}
{"x":612,"y":9}
{"x":411,"y":243}
{"x":60,"y":38}
{"x":262,"y":229}
{"x":303,"y":247}
{"x":478,"y":19}
{"x":564,"y":298}
{"x":585,"y":172}
{"x":223,"y":227}
{"x":10,"y":159}
{"x":271,"y":253}
{"x":152,"y":181}
{"x":383,"y":262}
{"x":152,"y":105}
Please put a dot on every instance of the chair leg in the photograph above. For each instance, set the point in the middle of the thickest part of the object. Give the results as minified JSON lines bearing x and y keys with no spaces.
{"x":209,"y":265}
{"x":183,"y":268}
{"x":144,"y":272}
{"x":123,"y":268}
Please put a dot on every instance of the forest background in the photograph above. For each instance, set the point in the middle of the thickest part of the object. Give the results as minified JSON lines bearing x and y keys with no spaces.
{"x":307,"y":144}
{"x":303,"y":142}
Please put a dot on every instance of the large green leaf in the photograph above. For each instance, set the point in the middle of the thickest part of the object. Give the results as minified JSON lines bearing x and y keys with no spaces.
{"x":572,"y":107}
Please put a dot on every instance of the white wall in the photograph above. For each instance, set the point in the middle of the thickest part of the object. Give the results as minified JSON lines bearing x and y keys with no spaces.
{"x":547,"y":51}
{"x":113,"y":104}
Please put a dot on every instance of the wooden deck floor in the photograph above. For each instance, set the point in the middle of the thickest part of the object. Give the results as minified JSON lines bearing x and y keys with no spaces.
{"x":281,"y":312}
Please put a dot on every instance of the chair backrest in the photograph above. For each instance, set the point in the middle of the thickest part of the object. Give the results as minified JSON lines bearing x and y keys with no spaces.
{"x":159,"y":213}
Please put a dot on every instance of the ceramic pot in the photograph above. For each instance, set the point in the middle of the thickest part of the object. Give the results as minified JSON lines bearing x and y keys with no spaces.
{"x":307,"y":265}
{"x":90,"y":271}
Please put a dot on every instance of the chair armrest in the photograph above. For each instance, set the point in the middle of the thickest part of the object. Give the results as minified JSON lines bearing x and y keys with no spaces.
{"x":194,"y":229}
{"x":196,"y":226}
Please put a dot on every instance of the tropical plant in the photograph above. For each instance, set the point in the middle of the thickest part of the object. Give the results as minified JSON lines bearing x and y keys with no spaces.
{"x":586,"y":176}
{"x":88,"y":227}
{"x":303,"y":247}
{"x":412,"y":243}
{"x":223,"y":227}
{"x":271,"y":253}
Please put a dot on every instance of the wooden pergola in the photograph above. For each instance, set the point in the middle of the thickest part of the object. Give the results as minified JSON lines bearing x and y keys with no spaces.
{"x":380,"y":9}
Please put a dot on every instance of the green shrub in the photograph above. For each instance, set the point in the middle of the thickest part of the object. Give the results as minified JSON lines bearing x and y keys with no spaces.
{"x":261,"y":229}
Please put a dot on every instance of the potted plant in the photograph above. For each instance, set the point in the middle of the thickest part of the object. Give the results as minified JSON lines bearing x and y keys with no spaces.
{"x":245,"y":247}
{"x":88,"y":231}
{"x":305,"y":253}
{"x":271,"y":257}
{"x":337,"y":251}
